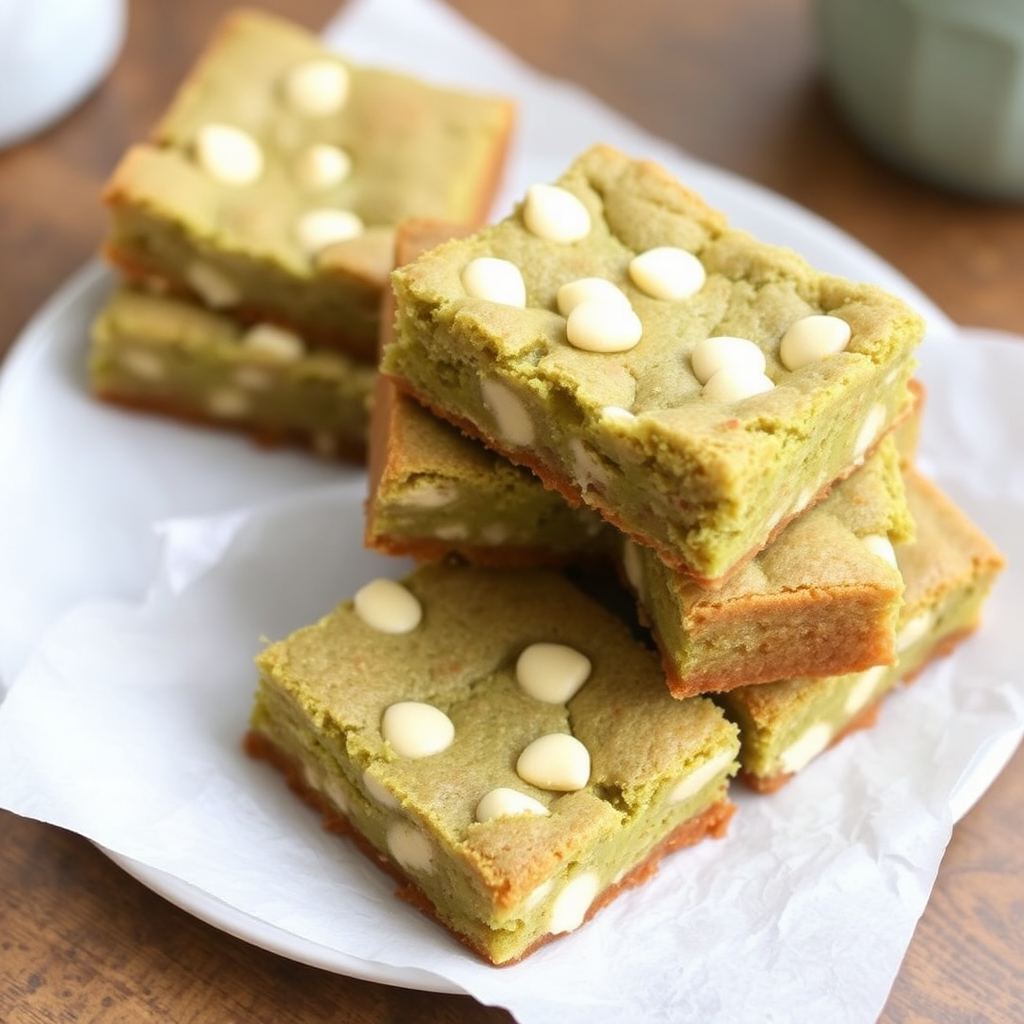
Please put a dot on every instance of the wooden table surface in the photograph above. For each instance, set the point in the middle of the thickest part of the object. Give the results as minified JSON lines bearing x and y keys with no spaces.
{"x":734,"y":82}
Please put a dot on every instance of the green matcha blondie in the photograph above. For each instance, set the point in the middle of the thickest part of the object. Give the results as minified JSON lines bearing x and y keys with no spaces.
{"x":822,"y":599}
{"x":498,"y":743}
{"x":949,"y":570}
{"x":697,"y":387}
{"x":173,"y":357}
{"x":272,"y":185}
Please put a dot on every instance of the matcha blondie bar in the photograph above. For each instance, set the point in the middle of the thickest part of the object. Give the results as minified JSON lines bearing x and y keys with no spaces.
{"x":498,"y":743}
{"x":176,"y":358}
{"x":272,"y":185}
{"x":822,"y":599}
{"x":949,"y":570}
{"x":697,"y":387}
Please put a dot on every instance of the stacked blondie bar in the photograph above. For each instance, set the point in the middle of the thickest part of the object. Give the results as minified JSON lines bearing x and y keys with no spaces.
{"x":614,"y":376}
{"x":254,"y":232}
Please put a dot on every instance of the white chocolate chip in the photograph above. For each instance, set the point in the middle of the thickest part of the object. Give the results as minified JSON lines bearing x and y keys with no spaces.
{"x":597,"y":325}
{"x":880,"y":545}
{"x":410,"y":847}
{"x":552,"y":673}
{"x":863,"y":690}
{"x":539,"y":894}
{"x":495,"y":533}
{"x":667,"y":272}
{"x":227,"y":404}
{"x":734,"y":385}
{"x":504,"y":801}
{"x":322,"y":166}
{"x":452,"y":531}
{"x":510,"y":415}
{"x":584,"y":289}
{"x":416,"y":729}
{"x":496,"y":280}
{"x":812,"y":339}
{"x":569,"y":909}
{"x":213,"y":286}
{"x":554,"y":214}
{"x":317,"y":229}
{"x":632,"y":565}
{"x":379,"y":792}
{"x":556,"y":761}
{"x":142,"y":364}
{"x":388,"y":607}
{"x":803,"y":750}
{"x":869,"y":432}
{"x":586,"y":466}
{"x":335,"y":793}
{"x":317,"y":88}
{"x":915,"y":629}
{"x":700,"y":777}
{"x":616,"y":412}
{"x":275,"y":342}
{"x":431,"y":495}
{"x":228,"y":154}
{"x":723,"y":352}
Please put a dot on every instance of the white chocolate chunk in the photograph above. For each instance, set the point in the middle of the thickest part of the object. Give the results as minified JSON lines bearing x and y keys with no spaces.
{"x":667,"y":272}
{"x":335,"y":793}
{"x":416,"y":729}
{"x":496,"y":280}
{"x":632,"y":565}
{"x":812,"y":339}
{"x":228,"y":154}
{"x":863,"y":690}
{"x":723,"y":352}
{"x":598,"y":325}
{"x":510,"y":415}
{"x":556,"y":761}
{"x":554,"y":214}
{"x":570,"y":906}
{"x":700,"y":777}
{"x":379,"y":792}
{"x":495,"y":533}
{"x":274,"y":342}
{"x":142,"y":364}
{"x":505,"y":801}
{"x":431,"y":495}
{"x":584,"y":289}
{"x":804,"y":749}
{"x":322,"y":166}
{"x":410,"y":847}
{"x":227,"y":404}
{"x":388,"y":607}
{"x":734,"y":385}
{"x":317,"y":229}
{"x":915,"y":629}
{"x":317,"y":88}
{"x":616,"y":412}
{"x":539,"y":894}
{"x":869,"y":432}
{"x":586,"y":465}
{"x":552,"y":673}
{"x":880,"y":545}
{"x":213,"y":286}
{"x":452,"y":531}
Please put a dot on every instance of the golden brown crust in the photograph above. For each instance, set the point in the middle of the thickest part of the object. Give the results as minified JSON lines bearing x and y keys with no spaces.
{"x":712,"y":823}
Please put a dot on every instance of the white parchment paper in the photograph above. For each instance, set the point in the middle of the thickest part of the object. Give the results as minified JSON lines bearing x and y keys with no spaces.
{"x":125,"y":723}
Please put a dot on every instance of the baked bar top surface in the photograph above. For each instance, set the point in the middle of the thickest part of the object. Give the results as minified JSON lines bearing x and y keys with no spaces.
{"x":562,"y":407}
{"x":325,"y":690}
{"x":411,"y":148}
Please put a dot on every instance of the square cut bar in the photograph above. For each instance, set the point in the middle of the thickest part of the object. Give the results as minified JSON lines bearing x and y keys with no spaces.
{"x":949,"y":571}
{"x":273,"y":183}
{"x":175,"y":358}
{"x":435,"y":492}
{"x":822,"y":599}
{"x":703,"y":477}
{"x":498,"y":743}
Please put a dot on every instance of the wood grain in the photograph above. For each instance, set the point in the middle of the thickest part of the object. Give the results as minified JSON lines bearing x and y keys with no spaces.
{"x":734,"y":82}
